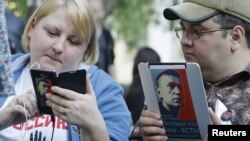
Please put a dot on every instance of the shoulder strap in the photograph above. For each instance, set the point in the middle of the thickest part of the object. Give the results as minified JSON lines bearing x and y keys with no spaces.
{"x":73,"y":133}
{"x":2,"y":100}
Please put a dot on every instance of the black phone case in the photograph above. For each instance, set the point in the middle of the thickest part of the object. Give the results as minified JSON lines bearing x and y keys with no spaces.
{"x":48,"y":76}
{"x":72,"y":80}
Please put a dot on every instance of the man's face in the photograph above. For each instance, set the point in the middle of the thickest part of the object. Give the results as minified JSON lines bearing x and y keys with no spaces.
{"x":211,"y":51}
{"x":98,"y":10}
{"x":169,"y":90}
{"x":42,"y":87}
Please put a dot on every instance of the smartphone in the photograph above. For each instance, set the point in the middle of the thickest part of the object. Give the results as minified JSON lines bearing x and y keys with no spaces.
{"x":43,"y":80}
{"x":73,"y":80}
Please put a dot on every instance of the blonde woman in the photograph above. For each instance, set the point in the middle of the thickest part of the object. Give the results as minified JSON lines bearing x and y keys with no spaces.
{"x":61,"y":35}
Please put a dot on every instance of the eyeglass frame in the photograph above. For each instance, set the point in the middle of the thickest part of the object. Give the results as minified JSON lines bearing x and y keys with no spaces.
{"x":199,"y":32}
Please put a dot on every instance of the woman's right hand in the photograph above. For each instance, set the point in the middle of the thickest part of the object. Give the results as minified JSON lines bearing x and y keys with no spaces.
{"x":152,"y":126}
{"x":14,"y":112}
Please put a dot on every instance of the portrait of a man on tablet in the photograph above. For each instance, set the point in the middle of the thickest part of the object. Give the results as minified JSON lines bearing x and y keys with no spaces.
{"x":177,"y":93}
{"x":170,"y":93}
{"x":175,"y":103}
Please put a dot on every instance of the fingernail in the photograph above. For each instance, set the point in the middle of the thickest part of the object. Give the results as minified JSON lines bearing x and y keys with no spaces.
{"x":48,"y":103}
{"x":160,"y":123}
{"x":47,"y":95}
{"x":157,"y":116}
{"x":210,"y":109}
{"x":53,"y":88}
{"x":162,"y":131}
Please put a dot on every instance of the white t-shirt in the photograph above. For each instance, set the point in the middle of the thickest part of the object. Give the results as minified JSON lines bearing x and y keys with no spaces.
{"x":35,"y":129}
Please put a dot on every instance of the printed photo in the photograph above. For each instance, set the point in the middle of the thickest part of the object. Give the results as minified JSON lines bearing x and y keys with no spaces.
{"x":175,"y":103}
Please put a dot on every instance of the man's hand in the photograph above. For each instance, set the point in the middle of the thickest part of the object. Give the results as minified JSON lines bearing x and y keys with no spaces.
{"x":215,"y":120}
{"x":152,"y":127}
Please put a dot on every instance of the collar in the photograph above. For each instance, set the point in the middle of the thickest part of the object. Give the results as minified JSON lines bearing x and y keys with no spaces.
{"x":243,"y":75}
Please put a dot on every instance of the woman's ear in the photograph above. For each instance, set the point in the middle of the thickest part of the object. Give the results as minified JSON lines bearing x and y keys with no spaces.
{"x":238,"y":35}
{"x":32,"y":26}
{"x":34,"y":21}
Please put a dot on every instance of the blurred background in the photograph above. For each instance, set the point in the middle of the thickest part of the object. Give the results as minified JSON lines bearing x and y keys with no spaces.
{"x":132,"y":24}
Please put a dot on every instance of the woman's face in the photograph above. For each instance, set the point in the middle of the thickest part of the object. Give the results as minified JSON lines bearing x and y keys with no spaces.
{"x":54,"y":44}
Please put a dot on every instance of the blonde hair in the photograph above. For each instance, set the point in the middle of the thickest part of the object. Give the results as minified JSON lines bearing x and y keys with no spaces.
{"x":80,"y":16}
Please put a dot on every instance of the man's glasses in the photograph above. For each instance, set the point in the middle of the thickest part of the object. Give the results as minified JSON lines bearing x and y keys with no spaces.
{"x":193,"y":34}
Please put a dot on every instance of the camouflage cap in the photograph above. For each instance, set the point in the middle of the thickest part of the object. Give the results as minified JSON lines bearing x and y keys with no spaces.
{"x":199,"y":10}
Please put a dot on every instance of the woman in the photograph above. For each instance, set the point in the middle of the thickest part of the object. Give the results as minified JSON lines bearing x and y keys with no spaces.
{"x":134,"y":96}
{"x":60,"y":35}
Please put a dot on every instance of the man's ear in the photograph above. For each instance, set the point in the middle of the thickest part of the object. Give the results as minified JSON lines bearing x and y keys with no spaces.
{"x":238,"y":35}
{"x":158,"y":92}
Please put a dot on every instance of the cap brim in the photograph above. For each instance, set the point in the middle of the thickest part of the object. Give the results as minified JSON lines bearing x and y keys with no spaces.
{"x":189,"y":12}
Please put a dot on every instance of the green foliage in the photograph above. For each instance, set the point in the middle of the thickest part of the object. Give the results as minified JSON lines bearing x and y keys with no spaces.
{"x":131,"y":19}
{"x":18,"y":6}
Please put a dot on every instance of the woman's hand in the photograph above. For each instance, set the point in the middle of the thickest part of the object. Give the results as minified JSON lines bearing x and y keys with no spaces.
{"x":18,"y":108}
{"x":79,"y":109}
{"x":152,"y":126}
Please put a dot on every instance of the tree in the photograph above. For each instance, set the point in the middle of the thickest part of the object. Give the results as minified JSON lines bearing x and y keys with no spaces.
{"x":18,"y":6}
{"x":130,"y":17}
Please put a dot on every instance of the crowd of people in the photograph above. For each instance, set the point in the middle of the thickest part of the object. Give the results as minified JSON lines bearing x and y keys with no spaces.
{"x":63,"y":35}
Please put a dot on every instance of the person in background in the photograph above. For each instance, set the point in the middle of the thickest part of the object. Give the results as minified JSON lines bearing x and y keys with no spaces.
{"x":216,"y":35}
{"x":61,"y":35}
{"x":134,"y":95}
{"x":105,"y":39}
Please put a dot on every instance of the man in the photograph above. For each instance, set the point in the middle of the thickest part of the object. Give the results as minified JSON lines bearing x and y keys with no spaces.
{"x":42,"y":87}
{"x":215,"y":34}
{"x":105,"y":39}
{"x":169,"y":92}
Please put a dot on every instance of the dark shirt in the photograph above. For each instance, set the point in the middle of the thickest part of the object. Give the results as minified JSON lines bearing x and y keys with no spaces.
{"x":234,"y":93}
{"x":106,"y":51}
{"x":135,"y":101}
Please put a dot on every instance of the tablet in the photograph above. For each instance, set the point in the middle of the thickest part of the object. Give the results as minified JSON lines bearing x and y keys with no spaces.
{"x":176,"y":91}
